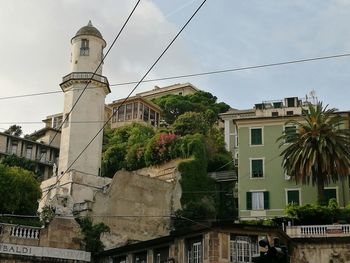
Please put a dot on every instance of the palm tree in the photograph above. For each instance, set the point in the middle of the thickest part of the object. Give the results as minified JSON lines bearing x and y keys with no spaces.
{"x":318,"y":151}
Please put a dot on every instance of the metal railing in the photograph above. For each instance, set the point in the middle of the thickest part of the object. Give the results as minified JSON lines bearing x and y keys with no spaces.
{"x":86,"y":76}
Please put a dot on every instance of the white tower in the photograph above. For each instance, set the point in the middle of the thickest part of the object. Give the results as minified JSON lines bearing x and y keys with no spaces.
{"x":87,"y":116}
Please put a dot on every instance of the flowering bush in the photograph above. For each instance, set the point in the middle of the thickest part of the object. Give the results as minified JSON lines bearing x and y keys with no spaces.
{"x":161,"y":148}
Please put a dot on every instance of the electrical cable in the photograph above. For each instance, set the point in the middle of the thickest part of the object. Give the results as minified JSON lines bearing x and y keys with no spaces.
{"x":123,"y":102}
{"x":198,"y":74}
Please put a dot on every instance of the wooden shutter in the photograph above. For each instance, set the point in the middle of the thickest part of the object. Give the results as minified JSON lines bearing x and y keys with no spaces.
{"x":266,"y":201}
{"x":256,"y":136}
{"x":249,"y":201}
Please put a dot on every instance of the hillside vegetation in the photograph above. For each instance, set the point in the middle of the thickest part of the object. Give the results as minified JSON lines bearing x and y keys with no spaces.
{"x":190,"y":132}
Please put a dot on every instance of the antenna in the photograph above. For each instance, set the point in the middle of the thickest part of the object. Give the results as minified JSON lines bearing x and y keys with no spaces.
{"x":313,"y":96}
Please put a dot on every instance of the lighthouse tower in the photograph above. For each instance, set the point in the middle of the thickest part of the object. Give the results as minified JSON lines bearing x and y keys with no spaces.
{"x":83,"y":109}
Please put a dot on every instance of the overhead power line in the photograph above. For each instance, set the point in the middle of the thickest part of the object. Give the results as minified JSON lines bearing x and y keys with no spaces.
{"x":283,"y":63}
{"x":238,"y":69}
{"x":123,"y":102}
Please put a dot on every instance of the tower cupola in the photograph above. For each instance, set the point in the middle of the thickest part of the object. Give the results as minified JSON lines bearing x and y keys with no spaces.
{"x":87,"y":49}
{"x":89,"y":30}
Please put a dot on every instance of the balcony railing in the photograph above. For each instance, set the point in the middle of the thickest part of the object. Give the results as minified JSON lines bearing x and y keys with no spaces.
{"x":318,"y":231}
{"x":85,"y":76}
{"x":25,"y":232}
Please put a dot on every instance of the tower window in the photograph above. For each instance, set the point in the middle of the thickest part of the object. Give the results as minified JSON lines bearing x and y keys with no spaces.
{"x":84,"y":49}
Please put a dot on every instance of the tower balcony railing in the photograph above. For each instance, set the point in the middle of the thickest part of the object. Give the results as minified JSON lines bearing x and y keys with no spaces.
{"x":85,"y":76}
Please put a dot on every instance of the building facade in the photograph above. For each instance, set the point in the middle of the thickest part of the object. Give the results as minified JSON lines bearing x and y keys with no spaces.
{"x":42,"y":154}
{"x":135,"y":110}
{"x":264,"y":190}
{"x":200,"y":244}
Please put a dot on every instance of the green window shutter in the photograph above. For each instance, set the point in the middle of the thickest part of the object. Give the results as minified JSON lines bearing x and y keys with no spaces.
{"x":249,"y":201}
{"x":290,"y":131}
{"x":266,"y":200}
{"x":257,"y":168}
{"x":293,"y":197}
{"x":256,"y":136}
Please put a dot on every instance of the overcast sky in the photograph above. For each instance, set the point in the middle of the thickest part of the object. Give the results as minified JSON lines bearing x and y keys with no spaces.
{"x":35,"y":49}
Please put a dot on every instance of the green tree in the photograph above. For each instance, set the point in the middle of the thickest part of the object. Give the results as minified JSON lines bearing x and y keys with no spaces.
{"x":14,"y":130}
{"x":318,"y":152}
{"x":113,"y":159}
{"x":19,"y":191}
{"x":191,"y":123}
{"x":175,"y":105}
{"x":14,"y":160}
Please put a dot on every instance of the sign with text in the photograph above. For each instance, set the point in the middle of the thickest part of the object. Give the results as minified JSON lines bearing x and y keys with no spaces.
{"x":47,"y":252}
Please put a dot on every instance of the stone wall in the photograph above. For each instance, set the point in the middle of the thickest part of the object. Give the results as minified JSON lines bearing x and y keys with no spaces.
{"x":136,"y":207}
{"x":321,"y":250}
{"x":62,"y":233}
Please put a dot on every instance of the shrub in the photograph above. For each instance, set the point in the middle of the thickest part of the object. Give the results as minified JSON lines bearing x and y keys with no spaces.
{"x":161,"y":148}
{"x":135,"y":158}
{"x":310,"y":214}
{"x":113,"y":159}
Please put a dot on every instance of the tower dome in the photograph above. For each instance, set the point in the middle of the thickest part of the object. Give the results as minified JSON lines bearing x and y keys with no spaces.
{"x":90,"y":30}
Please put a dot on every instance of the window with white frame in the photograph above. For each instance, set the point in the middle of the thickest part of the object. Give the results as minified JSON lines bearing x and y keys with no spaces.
{"x":14,"y":147}
{"x":258,"y":200}
{"x":243,"y":248}
{"x":121,"y":113}
{"x":29,"y":151}
{"x":194,"y":251}
{"x":43,"y":153}
{"x":128,"y":111}
{"x":135,"y":110}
